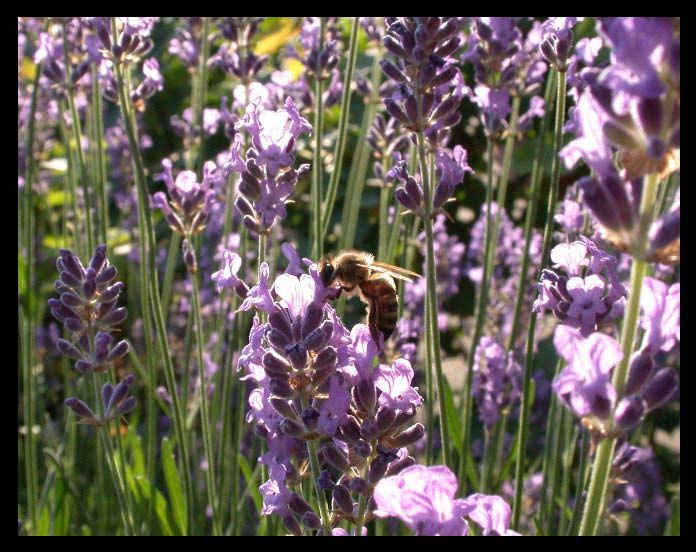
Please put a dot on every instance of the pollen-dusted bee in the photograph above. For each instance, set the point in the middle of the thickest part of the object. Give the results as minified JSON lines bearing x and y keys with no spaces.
{"x":359,"y":274}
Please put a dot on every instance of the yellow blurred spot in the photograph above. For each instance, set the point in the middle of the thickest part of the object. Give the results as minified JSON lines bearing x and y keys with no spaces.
{"x":271,"y":44}
{"x":28,"y":69}
{"x":294,"y":66}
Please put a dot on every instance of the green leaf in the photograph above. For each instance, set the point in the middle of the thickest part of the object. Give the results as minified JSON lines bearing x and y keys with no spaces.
{"x":56,"y":198}
{"x":251,"y":489}
{"x":453,"y":423}
{"x":672,"y":529}
{"x":470,"y":470}
{"x":174,"y":488}
{"x":161,"y":506}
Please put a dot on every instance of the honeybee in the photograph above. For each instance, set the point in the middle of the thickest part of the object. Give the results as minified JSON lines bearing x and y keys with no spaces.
{"x":359,"y":274}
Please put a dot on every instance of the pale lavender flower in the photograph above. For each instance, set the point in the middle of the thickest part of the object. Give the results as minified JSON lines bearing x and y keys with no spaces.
{"x":492,"y":513}
{"x":584,"y":385}
{"x":661,"y":315}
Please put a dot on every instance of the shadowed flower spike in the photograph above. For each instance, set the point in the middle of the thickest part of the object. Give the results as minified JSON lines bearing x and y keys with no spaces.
{"x":227,"y":275}
{"x":259,"y":297}
{"x":584,"y":385}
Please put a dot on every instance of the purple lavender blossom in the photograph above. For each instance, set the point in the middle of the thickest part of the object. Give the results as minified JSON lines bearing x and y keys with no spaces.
{"x":423,"y":498}
{"x":661,"y":315}
{"x":584,"y":385}
{"x":497,"y":380}
{"x":267,"y":177}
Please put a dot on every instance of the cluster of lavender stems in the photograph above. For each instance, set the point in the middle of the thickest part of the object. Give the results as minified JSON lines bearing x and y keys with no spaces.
{"x":317,"y":415}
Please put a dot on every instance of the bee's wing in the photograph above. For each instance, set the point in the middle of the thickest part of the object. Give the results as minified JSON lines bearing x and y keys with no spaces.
{"x":395,"y":271}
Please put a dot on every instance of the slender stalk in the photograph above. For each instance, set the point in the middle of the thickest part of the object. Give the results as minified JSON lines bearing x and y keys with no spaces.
{"x":568,"y":455}
{"x":361,"y":156}
{"x":432,"y":333}
{"x":605,"y":451}
{"x":321,"y":497}
{"x":77,"y":136}
{"x":430,"y":393}
{"x":467,"y":398}
{"x":318,"y":246}
{"x":116,"y":476}
{"x":196,"y":154}
{"x":205,"y":414}
{"x":580,"y":488}
{"x":100,"y":161}
{"x":26,"y":315}
{"x":342,"y":128}
{"x":147,"y":234}
{"x":526,"y":382}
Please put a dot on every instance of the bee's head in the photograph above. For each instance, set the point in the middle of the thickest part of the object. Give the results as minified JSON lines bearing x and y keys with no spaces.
{"x":326,"y":270}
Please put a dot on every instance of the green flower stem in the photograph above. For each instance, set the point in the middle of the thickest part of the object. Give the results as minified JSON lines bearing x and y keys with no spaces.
{"x":571,"y":439}
{"x":147,"y":235}
{"x":429,"y":388}
{"x":26,"y":314}
{"x":100,"y":161}
{"x":211,"y":481}
{"x":71,"y":180}
{"x":358,"y":169}
{"x":432,"y":333}
{"x":116,"y":476}
{"x":467,"y":398}
{"x":321,"y":497}
{"x":196,"y":153}
{"x":605,"y":451}
{"x":580,"y":488}
{"x":526,"y":382}
{"x":169,"y":268}
{"x":317,"y":245}
{"x":77,"y":138}
{"x":342,"y":128}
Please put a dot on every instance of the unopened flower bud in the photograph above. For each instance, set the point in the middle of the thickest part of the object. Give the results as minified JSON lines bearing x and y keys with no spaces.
{"x":629,"y":412}
{"x":661,"y":388}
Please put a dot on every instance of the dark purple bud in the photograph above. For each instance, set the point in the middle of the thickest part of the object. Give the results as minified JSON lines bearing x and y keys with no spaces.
{"x":609,"y":214}
{"x":106,"y":392}
{"x":650,"y":115}
{"x":350,"y":430}
{"x":251,"y":224}
{"x":641,"y":369}
{"x":385,"y":418}
{"x":600,"y":407}
{"x":74,"y":325}
{"x":298,"y":504}
{"x":341,"y":499}
{"x":84,"y":366}
{"x":174,"y":222}
{"x":105,"y":308}
{"x":249,"y":186}
{"x":326,"y":359}
{"x":403,"y":418}
{"x":324,"y":481}
{"x":297,"y":355}
{"x":444,"y":76}
{"x":261,"y":431}
{"x":661,"y":388}
{"x":411,"y":107}
{"x":358,"y":485}
{"x":365,"y":395}
{"x":394,"y":47}
{"x":413,"y":190}
{"x":362,"y":449}
{"x":101,"y":346}
{"x":283,"y":407}
{"x":119,"y":350}
{"x":69,"y":299}
{"x":274,"y":366}
{"x":189,"y":257}
{"x":106,"y":275}
{"x":89,"y":286}
{"x":111,"y":293}
{"x":664,"y":231}
{"x":312,"y":318}
{"x":125,"y":407}
{"x":80,"y":408}
{"x":310,"y":416}
{"x":442,"y":193}
{"x":448,"y":47}
{"x":406,"y":200}
{"x":427,"y":75}
{"x":244,"y":207}
{"x":392,"y":71}
{"x":620,"y":136}
{"x":311,"y":520}
{"x":618,"y":506}
{"x":115,"y":317}
{"x":68,"y":349}
{"x":314,"y":340}
{"x":292,"y":428}
{"x":120,"y":392}
{"x":69,"y":280}
{"x":98,"y":257}
{"x":291,"y":524}
{"x":334,"y":456}
{"x":278,"y":339}
{"x":409,"y":436}
{"x":547,"y":51}
{"x":369,"y":430}
{"x":395,"y":111}
{"x":629,"y":412}
{"x":378,"y":468}
{"x":281,"y":388}
{"x":400,"y":465}
{"x":563,"y":47}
